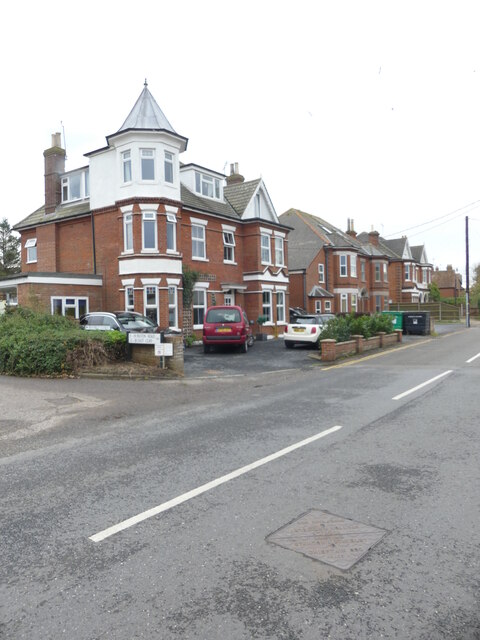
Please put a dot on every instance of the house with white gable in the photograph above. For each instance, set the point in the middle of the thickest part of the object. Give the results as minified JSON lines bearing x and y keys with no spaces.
{"x":120,"y":232}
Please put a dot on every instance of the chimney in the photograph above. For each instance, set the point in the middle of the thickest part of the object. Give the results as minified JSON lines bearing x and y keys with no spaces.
{"x":234,"y":177}
{"x":350,"y":230}
{"x":54,"y":167}
{"x":373,"y":237}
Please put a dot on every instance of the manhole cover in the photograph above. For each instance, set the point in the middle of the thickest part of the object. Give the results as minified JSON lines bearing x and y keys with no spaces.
{"x":320,"y":535}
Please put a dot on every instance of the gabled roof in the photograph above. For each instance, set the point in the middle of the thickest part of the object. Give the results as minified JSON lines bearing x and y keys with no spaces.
{"x":399,"y":246}
{"x":309,"y":235}
{"x":419,"y":254}
{"x":146,"y":114}
{"x":193,"y":201}
{"x":319,"y":292}
{"x":240,"y":194}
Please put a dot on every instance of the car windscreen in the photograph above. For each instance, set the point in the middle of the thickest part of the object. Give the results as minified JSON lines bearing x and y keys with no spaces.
{"x":136,"y":322}
{"x":306,"y":320}
{"x":223,"y":315}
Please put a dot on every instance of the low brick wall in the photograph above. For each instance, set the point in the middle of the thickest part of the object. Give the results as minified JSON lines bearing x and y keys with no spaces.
{"x":145,"y":354}
{"x":331,"y":350}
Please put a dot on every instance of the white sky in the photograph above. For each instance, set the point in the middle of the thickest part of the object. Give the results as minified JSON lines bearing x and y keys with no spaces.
{"x":347,"y":108}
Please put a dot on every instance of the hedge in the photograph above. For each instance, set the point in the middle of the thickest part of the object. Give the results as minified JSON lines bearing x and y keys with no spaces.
{"x":342,"y":328}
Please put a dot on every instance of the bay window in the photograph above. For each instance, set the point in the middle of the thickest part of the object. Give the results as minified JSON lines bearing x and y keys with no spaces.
{"x":149,"y":231}
{"x":199,"y":306}
{"x":280,"y":306}
{"x":147,"y":163}
{"x":279,"y":253}
{"x":267,"y":305}
{"x":265,"y":249}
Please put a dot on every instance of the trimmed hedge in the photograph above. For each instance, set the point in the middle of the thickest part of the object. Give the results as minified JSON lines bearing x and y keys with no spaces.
{"x":38,"y":344}
{"x":343,"y":328}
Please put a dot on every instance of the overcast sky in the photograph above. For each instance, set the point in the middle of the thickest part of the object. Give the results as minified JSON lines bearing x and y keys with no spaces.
{"x":357,"y":109}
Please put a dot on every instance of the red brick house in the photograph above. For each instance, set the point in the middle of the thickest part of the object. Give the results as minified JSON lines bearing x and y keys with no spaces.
{"x":449,"y":282}
{"x":118,"y":232}
{"x":342,"y":272}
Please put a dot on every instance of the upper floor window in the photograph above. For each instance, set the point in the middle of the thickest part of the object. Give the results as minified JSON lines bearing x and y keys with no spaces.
{"x":343,"y":266}
{"x":128,"y":232}
{"x":279,"y":254}
{"x":228,"y":246}
{"x":321,"y":272}
{"x":198,"y":241}
{"x":149,"y":231}
{"x":362,"y":270}
{"x":147,"y":157}
{"x":407,"y":272}
{"x":168,"y":166}
{"x":31,"y":247}
{"x":265,"y":249}
{"x":377,"y":272}
{"x":353,"y":266}
{"x":207,"y":185}
{"x":385,"y":272}
{"x":257,"y":205}
{"x":424,"y":275}
{"x":171,"y":232}
{"x":75,"y":186}
{"x":127,"y":166}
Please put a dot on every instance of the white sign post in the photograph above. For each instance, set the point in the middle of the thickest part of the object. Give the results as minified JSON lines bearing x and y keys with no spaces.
{"x":164,"y":349}
{"x":144,"y":338}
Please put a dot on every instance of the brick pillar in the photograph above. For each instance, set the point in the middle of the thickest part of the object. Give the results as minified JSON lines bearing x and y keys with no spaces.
{"x":175,"y":362}
{"x":54,"y":166}
{"x":399,"y":333}
{"x":358,"y":343}
{"x":328,"y":350}
{"x":380,"y":334}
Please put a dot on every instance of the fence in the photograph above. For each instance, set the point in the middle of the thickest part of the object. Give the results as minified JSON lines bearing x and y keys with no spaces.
{"x":438,"y":310}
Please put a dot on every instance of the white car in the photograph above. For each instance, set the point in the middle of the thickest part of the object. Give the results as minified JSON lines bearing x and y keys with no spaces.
{"x":306,"y":329}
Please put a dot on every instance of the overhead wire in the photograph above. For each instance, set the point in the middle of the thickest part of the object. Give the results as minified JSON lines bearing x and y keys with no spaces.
{"x":460,"y":211}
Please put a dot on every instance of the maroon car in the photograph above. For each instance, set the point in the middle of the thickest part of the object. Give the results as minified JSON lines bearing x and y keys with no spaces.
{"x":227,"y":325}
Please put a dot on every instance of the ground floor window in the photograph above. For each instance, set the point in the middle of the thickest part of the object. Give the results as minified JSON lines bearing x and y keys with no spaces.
{"x":318,"y":306}
{"x":172,"y":307}
{"x":72,"y":307}
{"x":151,"y":303}
{"x":267,"y":305}
{"x":328,"y":306}
{"x":343,"y":302}
{"x":199,"y":306}
{"x":354,"y":302}
{"x":378,"y":303}
{"x":280,"y":306}
{"x":129,"y":299}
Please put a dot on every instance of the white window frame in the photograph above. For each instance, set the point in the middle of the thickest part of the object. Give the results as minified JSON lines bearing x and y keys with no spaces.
{"x":354,"y":302}
{"x":67,"y":188}
{"x":173,"y":306}
{"x":279,"y":252}
{"x":407,"y":272}
{"x":67,"y":305}
{"x":228,"y":246}
{"x":318,"y":306}
{"x":378,"y":272}
{"x":31,"y":247}
{"x":353,"y":266}
{"x":229,"y":298}
{"x":127,"y":166}
{"x":328,"y":306}
{"x":172,"y":223}
{"x":343,"y":266}
{"x":385,"y":272}
{"x":265,"y":250}
{"x":149,"y":216}
{"x":267,"y":305}
{"x":207,"y":186}
{"x":199,"y":305}
{"x":127,"y":225}
{"x":344,"y":303}
{"x":168,"y":163}
{"x":363,"y":271}
{"x":199,"y":241}
{"x":258,"y":205}
{"x":146,"y":306}
{"x":280,"y":307}
{"x":321,"y":272}
{"x":425,"y":275}
{"x":129,"y":306}
{"x":378,"y":303}
{"x":147,"y":154}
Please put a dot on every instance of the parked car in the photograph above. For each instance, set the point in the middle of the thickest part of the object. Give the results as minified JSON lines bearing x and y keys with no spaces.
{"x":306,"y":329}
{"x":294,"y":312}
{"x":227,"y":325}
{"x":118,"y":321}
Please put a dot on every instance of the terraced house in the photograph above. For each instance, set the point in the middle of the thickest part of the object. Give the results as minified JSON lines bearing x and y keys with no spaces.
{"x":342,"y":272}
{"x":119,"y":232}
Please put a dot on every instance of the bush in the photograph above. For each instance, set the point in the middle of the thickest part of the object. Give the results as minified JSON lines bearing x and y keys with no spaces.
{"x":342,"y":328}
{"x":35,"y":343}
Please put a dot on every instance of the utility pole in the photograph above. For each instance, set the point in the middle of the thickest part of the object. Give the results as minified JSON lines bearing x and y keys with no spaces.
{"x":467,"y":283}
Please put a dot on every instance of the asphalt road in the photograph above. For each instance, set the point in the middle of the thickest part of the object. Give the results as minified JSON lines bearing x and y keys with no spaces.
{"x":81,"y":456}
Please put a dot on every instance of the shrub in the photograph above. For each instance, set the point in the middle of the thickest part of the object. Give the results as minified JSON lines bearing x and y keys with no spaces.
{"x":36,"y":343}
{"x":342,"y":328}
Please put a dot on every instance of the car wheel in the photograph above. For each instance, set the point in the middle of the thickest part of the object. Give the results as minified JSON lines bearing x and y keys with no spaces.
{"x":289,"y":344}
{"x":251,"y":340}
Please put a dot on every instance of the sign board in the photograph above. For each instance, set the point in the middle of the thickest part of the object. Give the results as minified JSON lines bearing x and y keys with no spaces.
{"x":164,"y":349}
{"x":144,"y":338}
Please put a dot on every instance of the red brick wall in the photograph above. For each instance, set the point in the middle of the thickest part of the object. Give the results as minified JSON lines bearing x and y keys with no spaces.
{"x":39,"y":295}
{"x":74,"y":246}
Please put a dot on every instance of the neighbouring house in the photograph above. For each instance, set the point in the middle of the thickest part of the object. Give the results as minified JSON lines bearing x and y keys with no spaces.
{"x":449,"y":282}
{"x":343,"y":272}
{"x":119,"y":232}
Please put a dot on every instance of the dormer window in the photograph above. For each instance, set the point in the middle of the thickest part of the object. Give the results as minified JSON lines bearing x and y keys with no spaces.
{"x":147,"y":157}
{"x":207,"y":186}
{"x":75,"y":186}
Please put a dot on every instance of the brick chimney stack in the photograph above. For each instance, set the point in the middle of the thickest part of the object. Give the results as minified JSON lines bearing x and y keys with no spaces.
{"x":54,"y":167}
{"x":234,"y":177}
{"x":350,"y":230}
{"x":373,"y":237}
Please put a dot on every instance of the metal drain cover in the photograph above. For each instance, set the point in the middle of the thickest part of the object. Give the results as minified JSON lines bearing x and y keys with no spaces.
{"x":320,"y":535}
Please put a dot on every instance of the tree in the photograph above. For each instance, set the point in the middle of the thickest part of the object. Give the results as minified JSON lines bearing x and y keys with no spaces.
{"x":9,"y":249}
{"x":434,"y":292}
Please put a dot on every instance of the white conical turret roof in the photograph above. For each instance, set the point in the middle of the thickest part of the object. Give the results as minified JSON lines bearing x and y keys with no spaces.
{"x":146,"y":114}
